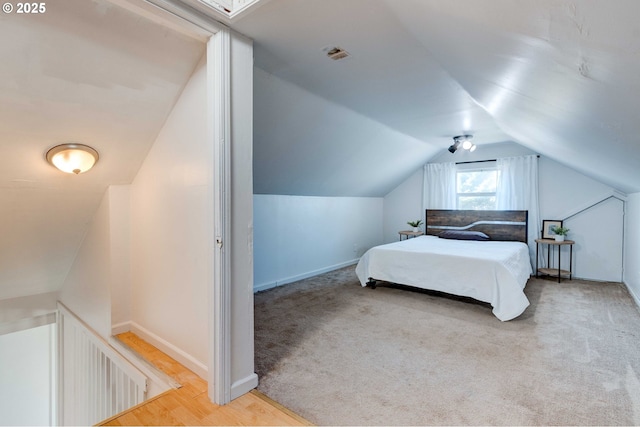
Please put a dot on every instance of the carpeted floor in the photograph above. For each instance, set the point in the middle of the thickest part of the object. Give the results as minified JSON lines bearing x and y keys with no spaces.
{"x":340,"y":354}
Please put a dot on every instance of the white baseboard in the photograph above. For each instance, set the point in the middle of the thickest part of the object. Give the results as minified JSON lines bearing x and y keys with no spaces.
{"x":633,"y":294}
{"x":120,"y":328}
{"x":171,"y":350}
{"x":274,"y":284}
{"x":243,"y":386}
{"x":238,"y":388}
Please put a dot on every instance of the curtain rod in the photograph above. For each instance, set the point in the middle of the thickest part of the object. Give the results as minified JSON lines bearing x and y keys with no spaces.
{"x":477,"y":161}
{"x":483,"y":161}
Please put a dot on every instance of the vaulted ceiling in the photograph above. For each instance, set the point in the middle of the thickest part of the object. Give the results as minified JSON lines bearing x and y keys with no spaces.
{"x":560,"y":77}
{"x":557,"y":76}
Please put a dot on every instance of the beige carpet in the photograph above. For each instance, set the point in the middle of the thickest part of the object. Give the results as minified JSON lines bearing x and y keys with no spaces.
{"x":340,"y":354}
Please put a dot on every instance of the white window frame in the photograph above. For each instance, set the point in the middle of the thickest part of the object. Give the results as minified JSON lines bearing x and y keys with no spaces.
{"x":476,"y":167}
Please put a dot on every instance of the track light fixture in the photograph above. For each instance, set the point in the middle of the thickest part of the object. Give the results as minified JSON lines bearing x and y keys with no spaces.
{"x":465,"y":140}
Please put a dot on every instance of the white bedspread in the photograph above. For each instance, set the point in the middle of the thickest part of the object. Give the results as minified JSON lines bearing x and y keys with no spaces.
{"x":493,"y":272}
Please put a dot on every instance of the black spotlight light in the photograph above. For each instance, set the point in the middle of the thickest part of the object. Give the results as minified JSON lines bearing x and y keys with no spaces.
{"x":454,"y":147}
{"x":465,"y":140}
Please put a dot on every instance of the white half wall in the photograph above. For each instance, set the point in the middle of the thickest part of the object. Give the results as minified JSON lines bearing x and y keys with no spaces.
{"x":27,"y":377}
{"x":632,"y":246}
{"x":172,"y":230}
{"x":17,"y":314}
{"x":300,"y":236}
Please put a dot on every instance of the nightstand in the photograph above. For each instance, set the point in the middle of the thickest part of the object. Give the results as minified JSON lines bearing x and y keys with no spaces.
{"x":409,"y":233}
{"x":555,"y":272}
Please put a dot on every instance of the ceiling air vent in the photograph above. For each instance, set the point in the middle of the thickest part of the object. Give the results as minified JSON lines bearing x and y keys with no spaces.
{"x":336,"y":53}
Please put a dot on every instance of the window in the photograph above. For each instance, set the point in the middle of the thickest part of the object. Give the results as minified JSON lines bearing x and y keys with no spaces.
{"x":476,"y":188}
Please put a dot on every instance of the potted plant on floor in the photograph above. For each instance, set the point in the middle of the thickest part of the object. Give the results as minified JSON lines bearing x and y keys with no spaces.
{"x":560,"y":233}
{"x":415,"y":225}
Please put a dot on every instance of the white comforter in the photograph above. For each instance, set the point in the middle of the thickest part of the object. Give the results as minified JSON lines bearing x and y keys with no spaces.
{"x":493,"y":272}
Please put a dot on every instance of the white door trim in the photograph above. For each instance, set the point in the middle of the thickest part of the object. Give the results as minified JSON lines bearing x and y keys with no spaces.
{"x":218,"y":52}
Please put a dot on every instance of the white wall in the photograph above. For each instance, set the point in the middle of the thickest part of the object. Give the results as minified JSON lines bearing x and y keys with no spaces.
{"x":403,"y":204}
{"x":85,"y":291}
{"x":598,"y":231}
{"x":632,"y":246}
{"x":120,"y":247}
{"x":27,"y":377}
{"x":299,"y":236}
{"x":562,"y":192}
{"x":172,"y":231}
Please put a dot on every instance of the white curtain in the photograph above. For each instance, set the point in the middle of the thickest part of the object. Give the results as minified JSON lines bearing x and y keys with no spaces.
{"x":439,"y":186}
{"x":518,"y":189}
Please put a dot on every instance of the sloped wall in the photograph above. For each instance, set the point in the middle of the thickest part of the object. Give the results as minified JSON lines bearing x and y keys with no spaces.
{"x":172,"y":232}
{"x":305,"y":145}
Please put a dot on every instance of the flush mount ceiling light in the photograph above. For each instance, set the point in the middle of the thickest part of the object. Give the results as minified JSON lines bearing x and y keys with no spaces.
{"x":465,"y":140}
{"x":72,"y":158}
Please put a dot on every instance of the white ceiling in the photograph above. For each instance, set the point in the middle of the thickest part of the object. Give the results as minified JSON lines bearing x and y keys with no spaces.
{"x":557,"y":76}
{"x":560,"y":77}
{"x":84,"y":71}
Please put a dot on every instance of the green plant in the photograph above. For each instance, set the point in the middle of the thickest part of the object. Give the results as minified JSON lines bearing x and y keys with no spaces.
{"x":415,"y":223}
{"x":560,"y":231}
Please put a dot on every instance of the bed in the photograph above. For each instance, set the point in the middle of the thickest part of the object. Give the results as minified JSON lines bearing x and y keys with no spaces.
{"x":466,"y":263}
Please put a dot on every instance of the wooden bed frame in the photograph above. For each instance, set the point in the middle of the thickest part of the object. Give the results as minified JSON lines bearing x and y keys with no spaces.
{"x":508,"y":226}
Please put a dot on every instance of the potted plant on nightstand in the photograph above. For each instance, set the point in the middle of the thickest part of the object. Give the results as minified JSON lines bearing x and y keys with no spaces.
{"x":415,"y":225}
{"x":560,"y":233}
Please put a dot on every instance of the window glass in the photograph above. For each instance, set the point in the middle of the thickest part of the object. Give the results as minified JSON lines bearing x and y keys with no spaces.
{"x":476,"y":189}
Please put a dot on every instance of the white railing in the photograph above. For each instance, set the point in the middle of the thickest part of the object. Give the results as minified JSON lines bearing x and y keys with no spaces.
{"x":95,"y":381}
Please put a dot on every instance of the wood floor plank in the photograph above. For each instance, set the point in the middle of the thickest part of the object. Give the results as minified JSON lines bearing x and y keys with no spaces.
{"x":190,"y":404}
{"x":298,"y":420}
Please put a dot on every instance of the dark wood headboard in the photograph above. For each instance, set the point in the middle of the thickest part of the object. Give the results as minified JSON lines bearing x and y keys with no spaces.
{"x":510,"y":226}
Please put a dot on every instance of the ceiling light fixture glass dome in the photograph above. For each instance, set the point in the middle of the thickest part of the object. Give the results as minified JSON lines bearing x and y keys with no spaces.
{"x":72,"y":158}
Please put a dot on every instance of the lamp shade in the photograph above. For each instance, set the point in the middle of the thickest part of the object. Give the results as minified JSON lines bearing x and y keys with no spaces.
{"x":72,"y":158}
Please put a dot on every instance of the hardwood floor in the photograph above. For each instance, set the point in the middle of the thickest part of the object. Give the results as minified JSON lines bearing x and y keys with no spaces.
{"x":190,"y":405}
